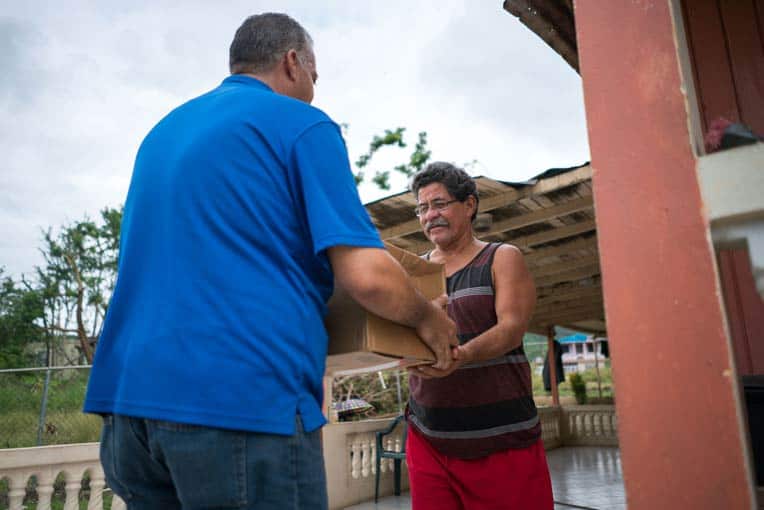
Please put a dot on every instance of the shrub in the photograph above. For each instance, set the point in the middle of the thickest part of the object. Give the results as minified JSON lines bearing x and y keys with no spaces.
{"x":578,"y":385}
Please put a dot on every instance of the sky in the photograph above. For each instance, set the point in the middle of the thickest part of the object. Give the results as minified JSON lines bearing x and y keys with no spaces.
{"x":82,"y":82}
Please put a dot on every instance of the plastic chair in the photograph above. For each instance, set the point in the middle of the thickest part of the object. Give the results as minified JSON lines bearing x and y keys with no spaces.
{"x":390,"y":454}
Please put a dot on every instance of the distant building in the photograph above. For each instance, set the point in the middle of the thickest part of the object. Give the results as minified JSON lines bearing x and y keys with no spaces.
{"x":66,"y":352}
{"x":581,"y":352}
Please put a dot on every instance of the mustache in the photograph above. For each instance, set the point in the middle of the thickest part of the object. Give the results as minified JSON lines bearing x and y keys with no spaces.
{"x":437,"y":222}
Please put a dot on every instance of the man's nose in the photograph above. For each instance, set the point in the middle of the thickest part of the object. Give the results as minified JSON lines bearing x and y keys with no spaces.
{"x":431,"y":213}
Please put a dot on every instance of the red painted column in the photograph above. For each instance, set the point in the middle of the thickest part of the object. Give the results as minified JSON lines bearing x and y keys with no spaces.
{"x":680,"y":426}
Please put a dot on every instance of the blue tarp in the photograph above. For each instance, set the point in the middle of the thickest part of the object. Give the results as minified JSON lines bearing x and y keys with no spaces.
{"x":578,"y":338}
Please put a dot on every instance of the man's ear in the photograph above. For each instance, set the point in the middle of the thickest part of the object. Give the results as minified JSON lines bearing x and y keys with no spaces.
{"x":472,"y":202}
{"x":291,"y":64}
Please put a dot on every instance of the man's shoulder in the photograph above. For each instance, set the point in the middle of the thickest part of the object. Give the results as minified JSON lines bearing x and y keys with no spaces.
{"x":291,"y":112}
{"x":507,"y":253}
{"x":309,"y":115}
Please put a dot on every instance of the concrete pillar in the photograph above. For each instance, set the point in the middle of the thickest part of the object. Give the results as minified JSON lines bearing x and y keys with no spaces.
{"x":682,"y":438}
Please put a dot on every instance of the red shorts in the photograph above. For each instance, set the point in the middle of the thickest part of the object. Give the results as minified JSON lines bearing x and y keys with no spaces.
{"x":508,"y":480}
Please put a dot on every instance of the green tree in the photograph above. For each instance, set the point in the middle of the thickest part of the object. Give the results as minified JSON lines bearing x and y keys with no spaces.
{"x":78,"y":277}
{"x":393,"y":138}
{"x":21,"y":311}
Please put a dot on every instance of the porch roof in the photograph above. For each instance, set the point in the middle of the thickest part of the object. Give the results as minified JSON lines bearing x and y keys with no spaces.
{"x":553,"y":21}
{"x":550,"y":218}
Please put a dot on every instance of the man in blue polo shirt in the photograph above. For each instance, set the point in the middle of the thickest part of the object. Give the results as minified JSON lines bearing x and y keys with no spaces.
{"x":241,"y":212}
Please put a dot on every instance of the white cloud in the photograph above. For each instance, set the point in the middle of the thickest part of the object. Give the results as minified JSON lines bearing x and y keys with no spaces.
{"x":84,"y":81}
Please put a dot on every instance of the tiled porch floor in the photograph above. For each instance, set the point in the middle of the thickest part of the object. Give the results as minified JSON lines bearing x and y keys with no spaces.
{"x":587,"y":477}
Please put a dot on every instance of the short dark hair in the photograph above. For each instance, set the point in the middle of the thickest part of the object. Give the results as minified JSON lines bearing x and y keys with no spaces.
{"x":458,"y":183}
{"x":263,"y":39}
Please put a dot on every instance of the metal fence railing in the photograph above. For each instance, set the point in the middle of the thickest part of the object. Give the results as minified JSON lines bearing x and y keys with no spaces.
{"x":43,"y":406}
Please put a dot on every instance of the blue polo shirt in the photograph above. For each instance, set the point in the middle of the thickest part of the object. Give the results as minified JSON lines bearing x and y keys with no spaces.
{"x":217,"y":314}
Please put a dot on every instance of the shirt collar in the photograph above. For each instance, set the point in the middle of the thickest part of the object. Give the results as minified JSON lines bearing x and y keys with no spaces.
{"x":247,"y":80}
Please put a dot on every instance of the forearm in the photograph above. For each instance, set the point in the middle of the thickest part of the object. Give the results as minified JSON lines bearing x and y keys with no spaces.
{"x":394,"y":298}
{"x":379,"y":284}
{"x":494,"y":342}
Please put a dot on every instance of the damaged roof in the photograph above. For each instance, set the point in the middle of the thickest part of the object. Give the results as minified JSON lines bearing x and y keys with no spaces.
{"x":550,"y":218}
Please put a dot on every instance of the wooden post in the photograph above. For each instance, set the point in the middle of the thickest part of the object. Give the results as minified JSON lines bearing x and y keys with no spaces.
{"x":552,"y":366}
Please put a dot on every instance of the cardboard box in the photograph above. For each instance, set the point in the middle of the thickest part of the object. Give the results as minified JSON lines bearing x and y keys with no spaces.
{"x":360,"y":341}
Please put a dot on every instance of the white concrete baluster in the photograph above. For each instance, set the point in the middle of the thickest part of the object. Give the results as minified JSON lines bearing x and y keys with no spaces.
{"x":117,"y":503}
{"x":598,"y":424}
{"x":16,"y":491}
{"x":606,"y":432}
{"x":72,"y":490}
{"x":44,"y":491}
{"x":355,"y":463}
{"x":97,"y":483}
{"x":365,"y":459}
{"x":373,"y":456}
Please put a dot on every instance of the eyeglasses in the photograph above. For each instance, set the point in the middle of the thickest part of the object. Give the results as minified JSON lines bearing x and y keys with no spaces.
{"x":435,"y":205}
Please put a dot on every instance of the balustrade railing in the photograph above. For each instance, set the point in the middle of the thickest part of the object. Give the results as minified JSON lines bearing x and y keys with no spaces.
{"x":550,"y":427}
{"x":589,"y":426}
{"x":45,"y":463}
{"x":363,"y":451}
{"x":349,"y":451}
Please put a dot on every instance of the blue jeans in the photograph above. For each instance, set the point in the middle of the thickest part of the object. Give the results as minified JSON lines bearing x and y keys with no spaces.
{"x":154,"y":464}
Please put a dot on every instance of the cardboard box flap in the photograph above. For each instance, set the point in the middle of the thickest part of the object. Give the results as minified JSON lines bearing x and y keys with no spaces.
{"x":428,"y":277}
{"x":412,"y":263}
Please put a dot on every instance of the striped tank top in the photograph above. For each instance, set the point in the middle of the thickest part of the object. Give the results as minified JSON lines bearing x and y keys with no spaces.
{"x":483,"y":407}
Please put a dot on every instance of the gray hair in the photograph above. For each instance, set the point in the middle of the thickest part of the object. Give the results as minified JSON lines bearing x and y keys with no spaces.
{"x":263,"y":39}
{"x":457,"y":182}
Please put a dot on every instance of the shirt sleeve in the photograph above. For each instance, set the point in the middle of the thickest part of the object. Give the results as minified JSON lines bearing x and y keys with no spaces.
{"x":334,"y":212}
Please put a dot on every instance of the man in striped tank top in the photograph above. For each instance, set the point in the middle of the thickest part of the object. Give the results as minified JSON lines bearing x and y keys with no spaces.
{"x":475,"y":434}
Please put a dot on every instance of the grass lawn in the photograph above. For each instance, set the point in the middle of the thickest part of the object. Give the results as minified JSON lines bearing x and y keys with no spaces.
{"x":20,"y":399}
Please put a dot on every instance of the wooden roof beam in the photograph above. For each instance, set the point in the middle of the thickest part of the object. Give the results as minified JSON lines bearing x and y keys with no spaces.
{"x":551,"y":22}
{"x":533,"y":257}
{"x":502,"y":199}
{"x":560,"y":297}
{"x":567,"y":276}
{"x":594,"y":302}
{"x":545,"y":214}
{"x":564,"y":265}
{"x":526,"y":242}
{"x":596,"y":306}
{"x":577,"y":316}
{"x":556,"y":234}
